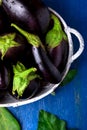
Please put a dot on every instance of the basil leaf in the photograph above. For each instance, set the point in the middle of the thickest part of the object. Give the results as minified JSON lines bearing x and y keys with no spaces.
{"x":48,"y":121}
{"x":69,"y":77}
{"x":6,"y":42}
{"x":55,"y":36}
{"x":22,"y":78}
{"x":7,"y":120}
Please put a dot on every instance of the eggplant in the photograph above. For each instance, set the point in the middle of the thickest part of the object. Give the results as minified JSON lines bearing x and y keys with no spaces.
{"x":25,"y":81}
{"x":4,"y":79}
{"x":65,"y":53}
{"x":12,"y":45}
{"x":31,"y":15}
{"x":19,"y":13}
{"x":1,"y":22}
{"x":59,"y":55}
{"x":41,"y":12}
{"x":27,"y":58}
{"x":4,"y":22}
{"x":44,"y":64}
{"x":57,"y":44}
{"x":49,"y":71}
{"x":32,"y":89}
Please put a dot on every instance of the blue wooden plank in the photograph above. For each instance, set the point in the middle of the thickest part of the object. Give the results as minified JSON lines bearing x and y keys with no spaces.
{"x":70,"y":102}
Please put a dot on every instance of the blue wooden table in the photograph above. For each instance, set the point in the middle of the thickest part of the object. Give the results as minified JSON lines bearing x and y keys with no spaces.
{"x":70,"y":102}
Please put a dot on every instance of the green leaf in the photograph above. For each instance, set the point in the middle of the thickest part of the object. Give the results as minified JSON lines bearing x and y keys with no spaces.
{"x":31,"y":38}
{"x":55,"y":36}
{"x":7,"y":120}
{"x":22,"y":78}
{"x":53,"y":93}
{"x":6,"y":42}
{"x":48,"y":121}
{"x":69,"y":77}
{"x":0,"y":2}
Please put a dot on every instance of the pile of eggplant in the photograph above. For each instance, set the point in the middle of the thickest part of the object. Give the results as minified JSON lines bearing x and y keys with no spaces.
{"x":33,"y":48}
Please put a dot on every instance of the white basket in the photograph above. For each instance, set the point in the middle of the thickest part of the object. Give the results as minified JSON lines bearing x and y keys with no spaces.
{"x":11,"y":101}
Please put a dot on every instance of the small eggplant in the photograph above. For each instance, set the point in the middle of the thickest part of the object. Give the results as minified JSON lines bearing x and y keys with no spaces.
{"x":12,"y":46}
{"x":31,"y":89}
{"x":49,"y":71}
{"x":24,"y":81}
{"x":4,"y":79}
{"x":4,"y":22}
{"x":41,"y":12}
{"x":27,"y":58}
{"x":59,"y":55}
{"x":44,"y":64}
{"x":20,"y":14}
{"x":57,"y":44}
{"x":65,"y":52}
{"x":1,"y":22}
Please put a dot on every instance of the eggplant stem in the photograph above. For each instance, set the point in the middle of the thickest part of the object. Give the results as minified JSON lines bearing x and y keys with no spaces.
{"x":32,"y":39}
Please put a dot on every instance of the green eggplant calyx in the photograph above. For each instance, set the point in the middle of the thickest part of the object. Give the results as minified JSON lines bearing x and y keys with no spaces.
{"x":55,"y":36}
{"x":31,"y":38}
{"x":57,"y":24}
{"x":6,"y":42}
{"x":22,"y":78}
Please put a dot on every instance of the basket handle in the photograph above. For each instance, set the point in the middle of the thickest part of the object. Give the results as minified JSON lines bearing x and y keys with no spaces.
{"x":81,"y":43}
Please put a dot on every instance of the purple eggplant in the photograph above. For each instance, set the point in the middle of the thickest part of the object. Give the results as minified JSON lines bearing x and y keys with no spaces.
{"x":64,"y":57}
{"x":4,"y":22}
{"x":20,"y":12}
{"x":59,"y":55}
{"x":41,"y":12}
{"x":12,"y":45}
{"x":49,"y":71}
{"x":57,"y":44}
{"x":25,"y":81}
{"x":4,"y":79}
{"x":27,"y":58}
{"x":1,"y":22}
{"x":32,"y":89}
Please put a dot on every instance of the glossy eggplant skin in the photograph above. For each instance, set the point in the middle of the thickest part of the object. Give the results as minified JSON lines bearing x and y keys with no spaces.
{"x":59,"y":55}
{"x":4,"y":22}
{"x":1,"y":22}
{"x":31,"y":89}
{"x":19,"y":13}
{"x":4,"y":79}
{"x":41,"y":12}
{"x":57,"y":43}
{"x":47,"y":68}
{"x":65,"y":54}
{"x":27,"y":58}
{"x":13,"y":54}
